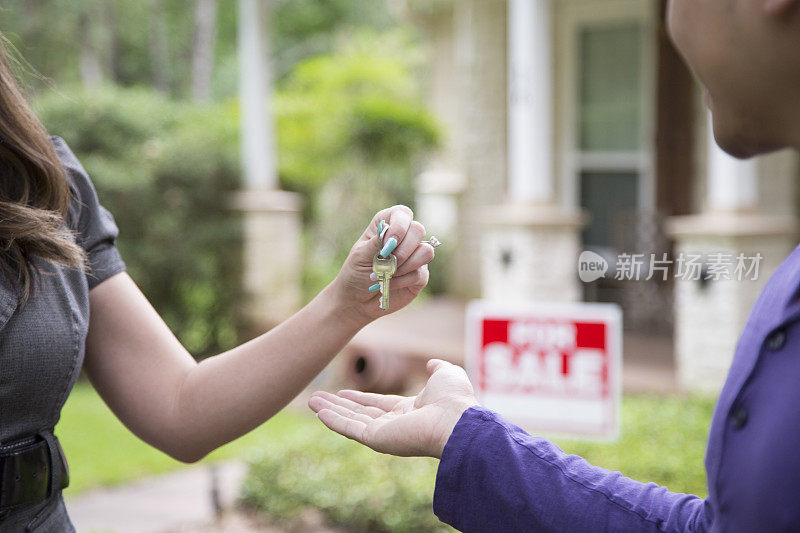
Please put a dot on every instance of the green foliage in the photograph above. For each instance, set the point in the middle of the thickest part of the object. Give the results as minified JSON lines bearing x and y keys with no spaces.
{"x":360,"y":102}
{"x":306,"y":28}
{"x":103,"y":452}
{"x":352,"y":485}
{"x":352,"y":133}
{"x":133,"y":39}
{"x":296,"y":462}
{"x":663,"y":440}
{"x":164,"y":170}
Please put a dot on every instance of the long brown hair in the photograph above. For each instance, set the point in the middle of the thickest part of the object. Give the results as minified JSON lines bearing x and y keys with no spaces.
{"x":34,"y":191}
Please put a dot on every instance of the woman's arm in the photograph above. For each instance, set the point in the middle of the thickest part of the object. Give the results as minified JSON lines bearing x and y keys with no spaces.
{"x":188,"y":409}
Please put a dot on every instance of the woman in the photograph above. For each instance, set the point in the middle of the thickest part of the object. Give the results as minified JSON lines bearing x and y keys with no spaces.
{"x":67,"y":303}
{"x":495,"y":477}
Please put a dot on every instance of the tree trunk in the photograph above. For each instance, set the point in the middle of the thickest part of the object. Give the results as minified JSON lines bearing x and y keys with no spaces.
{"x":205,"y":35}
{"x":112,"y":36}
{"x":159,"y":47}
{"x":91,"y":66}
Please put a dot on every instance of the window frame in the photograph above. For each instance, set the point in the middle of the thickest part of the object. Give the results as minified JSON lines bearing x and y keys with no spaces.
{"x":573,"y":16}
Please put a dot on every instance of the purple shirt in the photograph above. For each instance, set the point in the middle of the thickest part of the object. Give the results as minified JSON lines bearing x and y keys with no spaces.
{"x":495,"y":477}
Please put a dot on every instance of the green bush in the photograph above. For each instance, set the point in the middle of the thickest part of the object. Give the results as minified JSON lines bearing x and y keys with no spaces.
{"x":663,"y":440}
{"x":350,"y":484}
{"x":164,"y":169}
{"x":352,"y":134}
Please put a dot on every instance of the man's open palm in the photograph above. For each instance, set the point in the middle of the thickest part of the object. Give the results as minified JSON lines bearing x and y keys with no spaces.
{"x":408,"y":426}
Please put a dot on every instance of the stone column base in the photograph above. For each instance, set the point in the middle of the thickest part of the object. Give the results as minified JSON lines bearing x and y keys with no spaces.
{"x":530,"y":252}
{"x":710,"y":314}
{"x":272,"y":268}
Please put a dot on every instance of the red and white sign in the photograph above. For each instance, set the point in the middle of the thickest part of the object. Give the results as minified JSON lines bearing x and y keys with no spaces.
{"x":548,"y":367}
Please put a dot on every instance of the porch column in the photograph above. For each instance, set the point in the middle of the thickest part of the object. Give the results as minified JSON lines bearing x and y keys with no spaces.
{"x":710,"y":313}
{"x":530,"y":101}
{"x":532,"y":243}
{"x":271,"y":216}
{"x":732,"y":183}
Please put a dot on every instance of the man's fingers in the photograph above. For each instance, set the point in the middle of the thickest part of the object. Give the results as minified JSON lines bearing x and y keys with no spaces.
{"x":318,"y":404}
{"x":422,"y":255}
{"x":370,"y":411}
{"x":387,"y":402}
{"x":352,"y":429}
{"x":435,"y":364}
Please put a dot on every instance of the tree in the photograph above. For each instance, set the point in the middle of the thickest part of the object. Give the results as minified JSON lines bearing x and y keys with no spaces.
{"x":205,"y":36}
{"x":159,"y":47}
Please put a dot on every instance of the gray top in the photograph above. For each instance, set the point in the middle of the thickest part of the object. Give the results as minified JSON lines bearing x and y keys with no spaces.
{"x":42,"y":343}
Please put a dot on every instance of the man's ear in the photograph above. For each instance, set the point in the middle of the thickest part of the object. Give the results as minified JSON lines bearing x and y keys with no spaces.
{"x":779,"y":7}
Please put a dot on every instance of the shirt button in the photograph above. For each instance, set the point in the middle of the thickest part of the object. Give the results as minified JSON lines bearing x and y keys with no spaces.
{"x":776,"y":341}
{"x":739,"y":418}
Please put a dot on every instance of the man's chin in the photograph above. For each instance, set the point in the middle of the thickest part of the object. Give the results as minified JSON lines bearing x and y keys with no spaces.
{"x":742,"y":147}
{"x":737,"y":149}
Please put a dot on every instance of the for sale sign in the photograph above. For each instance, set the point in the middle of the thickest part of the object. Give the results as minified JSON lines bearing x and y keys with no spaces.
{"x":548,"y":367}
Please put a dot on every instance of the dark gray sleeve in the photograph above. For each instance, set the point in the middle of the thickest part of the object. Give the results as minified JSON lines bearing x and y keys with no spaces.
{"x":95,"y":229}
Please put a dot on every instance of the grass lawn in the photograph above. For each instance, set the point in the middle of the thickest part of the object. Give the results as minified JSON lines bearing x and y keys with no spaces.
{"x":663,"y":440}
{"x":101,"y":451}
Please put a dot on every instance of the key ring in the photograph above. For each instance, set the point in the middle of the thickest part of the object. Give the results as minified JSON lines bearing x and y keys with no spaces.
{"x":383,"y":227}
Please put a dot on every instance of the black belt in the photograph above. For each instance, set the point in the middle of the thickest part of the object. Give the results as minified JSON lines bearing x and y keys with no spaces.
{"x":31,"y":471}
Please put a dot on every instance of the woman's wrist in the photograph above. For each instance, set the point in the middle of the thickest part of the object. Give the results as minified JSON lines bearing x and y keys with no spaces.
{"x":348,"y":310}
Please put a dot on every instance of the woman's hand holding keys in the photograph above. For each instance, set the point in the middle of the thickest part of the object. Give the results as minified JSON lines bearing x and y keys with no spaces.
{"x":402,"y":237}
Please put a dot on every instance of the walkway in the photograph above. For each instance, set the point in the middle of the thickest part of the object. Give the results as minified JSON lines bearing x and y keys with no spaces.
{"x":175,"y":502}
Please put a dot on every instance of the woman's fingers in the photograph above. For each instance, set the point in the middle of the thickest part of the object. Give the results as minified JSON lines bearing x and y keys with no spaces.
{"x":422,"y":255}
{"x":386,"y":402}
{"x":370,"y":411}
{"x":398,"y":220}
{"x":417,"y":278}
{"x":352,"y":429}
{"x":409,"y":243}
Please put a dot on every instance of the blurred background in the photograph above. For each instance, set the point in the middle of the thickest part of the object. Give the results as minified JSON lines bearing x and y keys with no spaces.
{"x":242,"y":146}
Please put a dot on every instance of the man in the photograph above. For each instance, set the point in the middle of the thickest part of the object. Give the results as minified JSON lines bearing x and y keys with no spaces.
{"x":495,"y":477}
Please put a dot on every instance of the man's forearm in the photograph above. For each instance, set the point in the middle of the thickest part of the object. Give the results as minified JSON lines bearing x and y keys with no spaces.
{"x":495,"y":477}
{"x":225,"y":396}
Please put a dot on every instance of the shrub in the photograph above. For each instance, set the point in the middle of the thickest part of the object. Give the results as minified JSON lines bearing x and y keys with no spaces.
{"x":352,"y":134}
{"x":350,"y":484}
{"x":663,"y":440}
{"x":164,"y":169}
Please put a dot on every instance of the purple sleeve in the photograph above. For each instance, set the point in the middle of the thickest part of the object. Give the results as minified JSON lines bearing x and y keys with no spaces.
{"x":495,"y":477}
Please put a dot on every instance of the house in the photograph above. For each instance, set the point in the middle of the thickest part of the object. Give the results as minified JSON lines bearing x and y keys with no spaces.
{"x":573,"y":125}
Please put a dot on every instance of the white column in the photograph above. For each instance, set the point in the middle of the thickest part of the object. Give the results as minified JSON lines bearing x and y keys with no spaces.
{"x":272,"y":223}
{"x":732,"y":183}
{"x":530,"y":103}
{"x":258,"y":145}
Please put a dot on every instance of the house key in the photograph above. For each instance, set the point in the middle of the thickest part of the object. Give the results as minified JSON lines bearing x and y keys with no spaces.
{"x":384,"y":269}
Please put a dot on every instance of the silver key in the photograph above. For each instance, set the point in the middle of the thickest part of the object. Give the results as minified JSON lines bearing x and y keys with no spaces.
{"x":384,"y":269}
